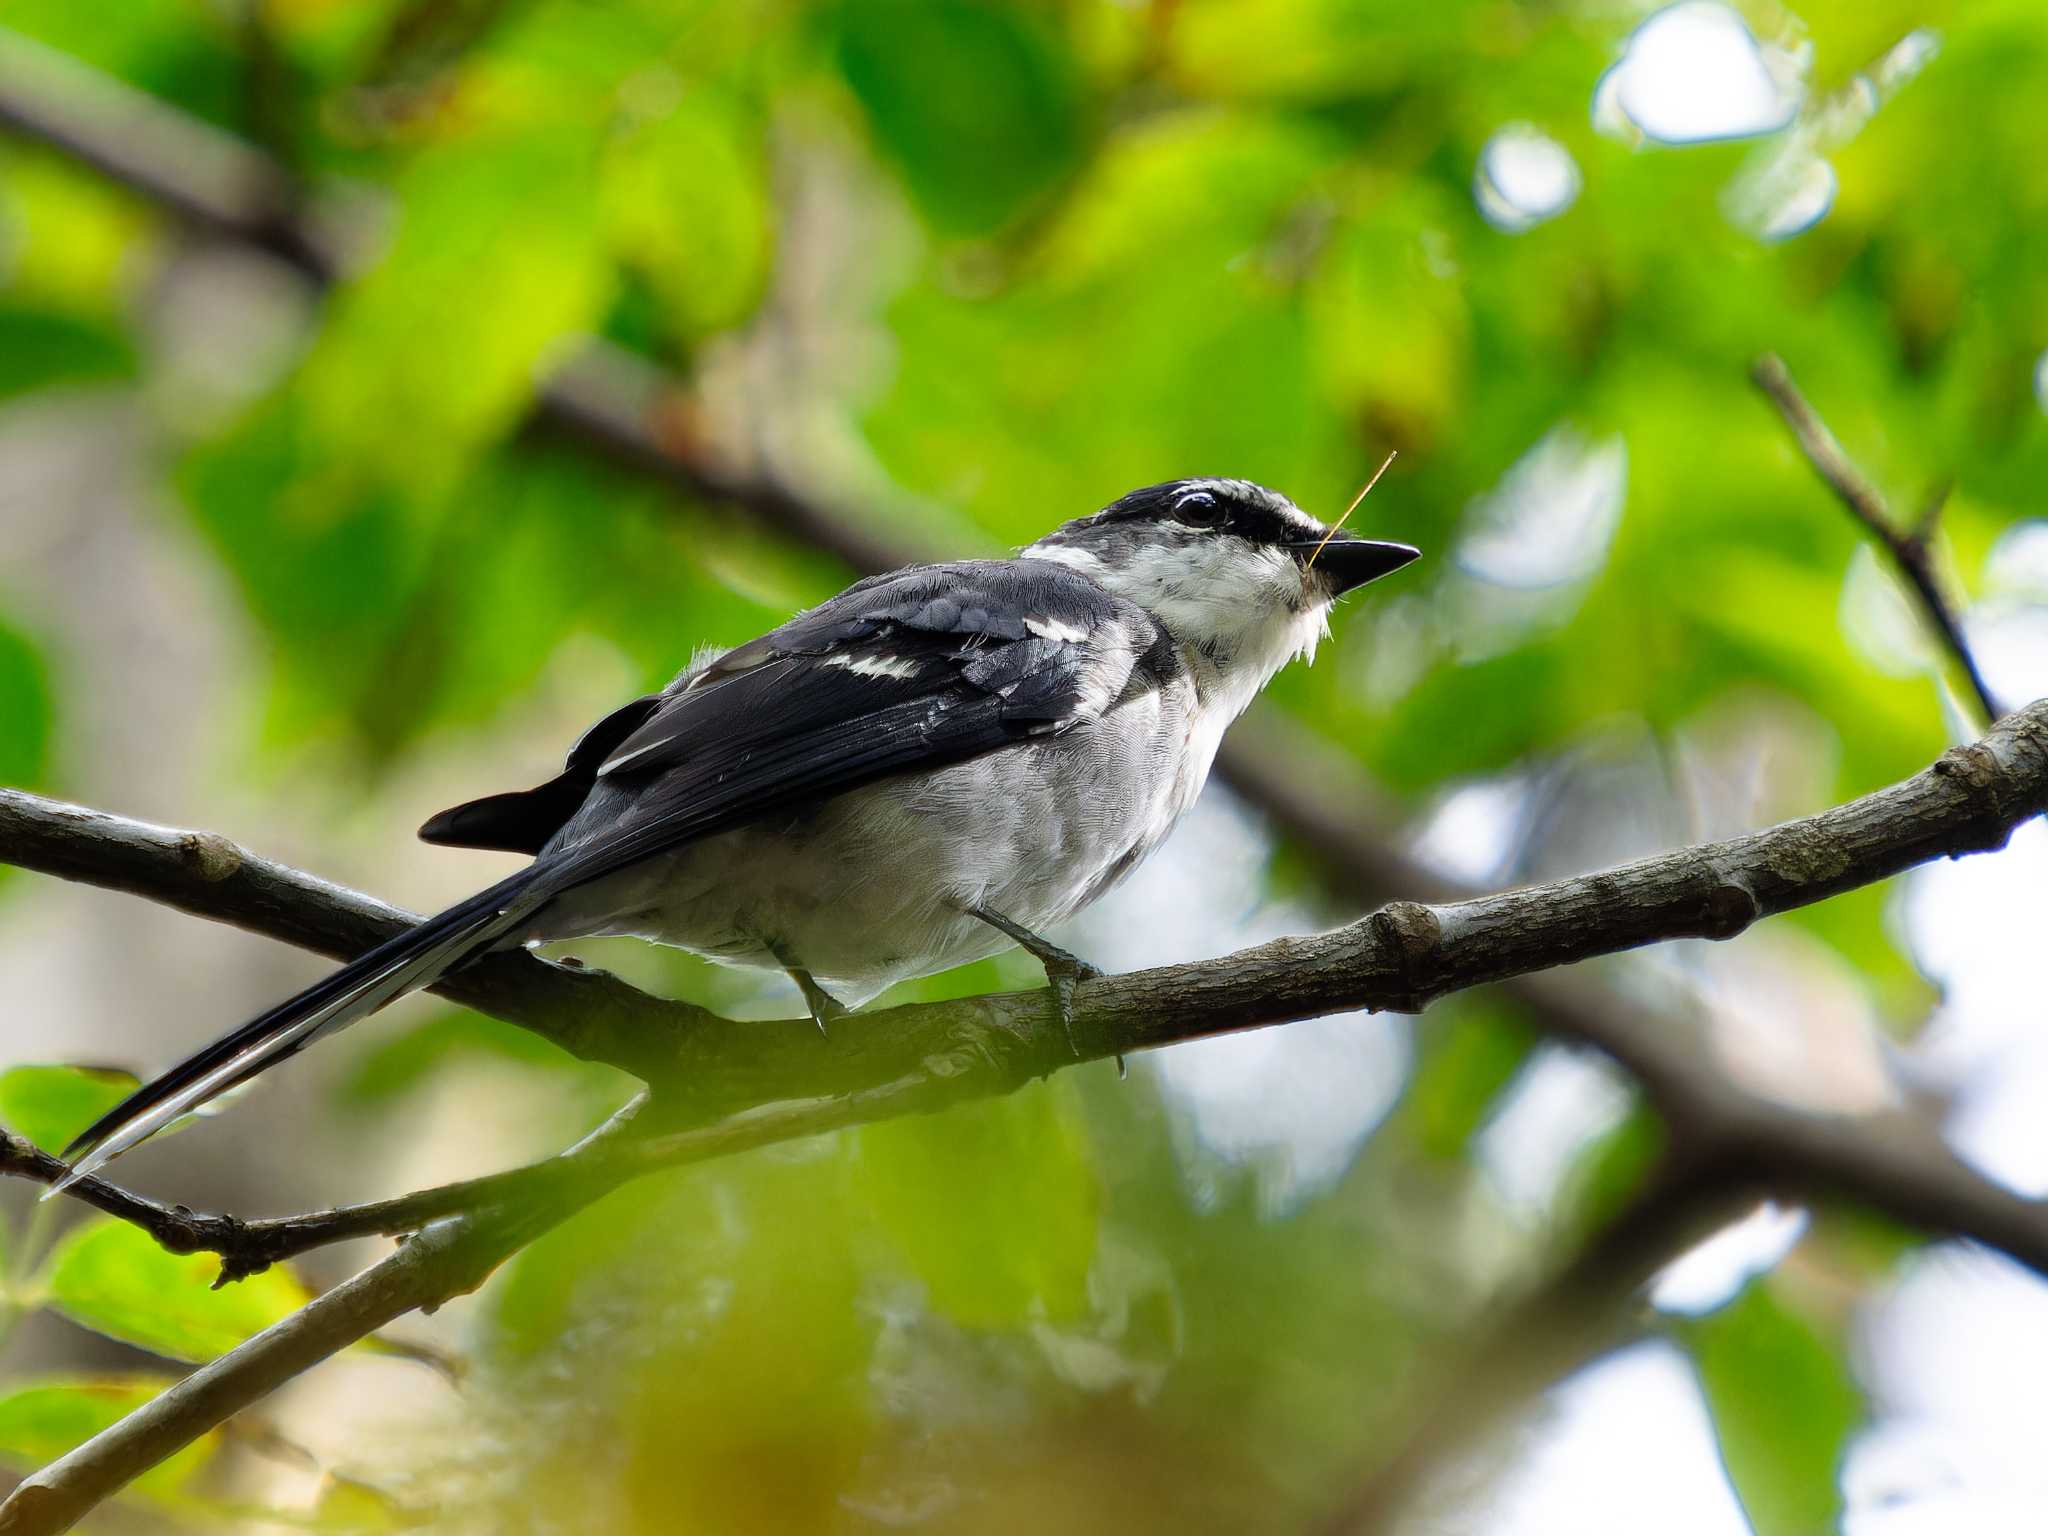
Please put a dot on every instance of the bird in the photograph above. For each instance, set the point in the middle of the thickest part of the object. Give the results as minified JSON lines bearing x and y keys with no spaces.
{"x":925,"y":770}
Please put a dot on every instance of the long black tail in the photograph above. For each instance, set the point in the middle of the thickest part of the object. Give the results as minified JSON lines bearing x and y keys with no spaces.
{"x":416,"y":958}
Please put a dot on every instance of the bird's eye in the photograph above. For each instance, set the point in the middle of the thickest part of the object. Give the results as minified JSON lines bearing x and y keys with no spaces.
{"x":1198,"y":509}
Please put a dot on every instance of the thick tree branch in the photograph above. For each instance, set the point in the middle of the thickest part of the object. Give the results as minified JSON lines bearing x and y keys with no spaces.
{"x":1910,"y":549}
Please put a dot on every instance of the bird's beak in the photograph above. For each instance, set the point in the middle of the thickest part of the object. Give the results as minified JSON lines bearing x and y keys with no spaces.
{"x":1348,"y":561}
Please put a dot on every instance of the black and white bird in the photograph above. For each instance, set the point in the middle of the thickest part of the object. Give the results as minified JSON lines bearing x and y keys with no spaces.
{"x":934,"y":765}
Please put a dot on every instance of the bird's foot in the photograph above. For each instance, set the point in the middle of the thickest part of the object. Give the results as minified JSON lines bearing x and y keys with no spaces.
{"x":1064,"y":971}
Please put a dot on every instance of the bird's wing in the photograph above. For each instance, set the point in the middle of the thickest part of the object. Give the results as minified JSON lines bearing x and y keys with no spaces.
{"x":924,"y":667}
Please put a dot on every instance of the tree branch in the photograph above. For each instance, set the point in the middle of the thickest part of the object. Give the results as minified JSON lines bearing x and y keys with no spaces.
{"x":1910,"y":550}
{"x":717,"y":1089}
{"x":1400,"y":957}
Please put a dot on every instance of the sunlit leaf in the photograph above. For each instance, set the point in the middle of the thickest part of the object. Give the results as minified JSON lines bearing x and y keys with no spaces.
{"x":112,"y":1278}
{"x":51,"y":1104}
{"x":448,"y":333}
{"x":41,"y":1420}
{"x":161,"y":46}
{"x":701,"y":152}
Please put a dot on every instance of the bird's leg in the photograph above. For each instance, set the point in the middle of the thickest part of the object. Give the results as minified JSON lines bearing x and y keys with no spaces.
{"x":822,"y":1005}
{"x":1063,"y":970}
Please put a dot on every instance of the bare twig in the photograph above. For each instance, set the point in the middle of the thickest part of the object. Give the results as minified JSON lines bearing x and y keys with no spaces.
{"x":248,"y":1247}
{"x":1910,"y":550}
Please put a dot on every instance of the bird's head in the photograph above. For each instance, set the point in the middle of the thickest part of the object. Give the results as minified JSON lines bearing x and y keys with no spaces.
{"x":1236,"y":572}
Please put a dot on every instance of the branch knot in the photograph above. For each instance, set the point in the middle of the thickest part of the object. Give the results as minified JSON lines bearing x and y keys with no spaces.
{"x":1731,"y":907}
{"x":1408,"y":935}
{"x":1976,"y":768}
{"x":210,"y":856}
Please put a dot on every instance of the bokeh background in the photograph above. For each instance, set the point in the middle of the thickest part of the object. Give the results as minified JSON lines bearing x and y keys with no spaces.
{"x":299,"y":565}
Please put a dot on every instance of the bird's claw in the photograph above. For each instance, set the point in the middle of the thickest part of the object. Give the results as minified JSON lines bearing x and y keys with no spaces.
{"x":1064,"y":972}
{"x":822,"y":1006}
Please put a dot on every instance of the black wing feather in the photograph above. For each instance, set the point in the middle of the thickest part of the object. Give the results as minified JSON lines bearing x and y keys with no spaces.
{"x":524,"y":820}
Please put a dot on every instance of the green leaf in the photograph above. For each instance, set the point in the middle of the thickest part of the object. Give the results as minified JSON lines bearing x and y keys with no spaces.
{"x":449,"y":333}
{"x":165,"y":47}
{"x":42,"y":1420}
{"x":1463,"y":1070}
{"x":979,"y":104}
{"x":25,"y":710}
{"x":41,"y":347}
{"x":112,"y":1278}
{"x":51,"y":1104}
{"x":1610,"y":1168}
{"x":994,"y":1206}
{"x":1784,"y":1405}
{"x":703,"y":154}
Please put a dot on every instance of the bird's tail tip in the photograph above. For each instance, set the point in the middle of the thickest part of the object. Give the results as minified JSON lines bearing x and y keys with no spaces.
{"x":414,"y":959}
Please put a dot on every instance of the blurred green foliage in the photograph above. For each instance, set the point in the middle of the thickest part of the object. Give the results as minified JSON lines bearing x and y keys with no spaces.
{"x":1784,"y":1405}
{"x":49,"y":1105}
{"x":983,"y":265}
{"x":112,"y":1279}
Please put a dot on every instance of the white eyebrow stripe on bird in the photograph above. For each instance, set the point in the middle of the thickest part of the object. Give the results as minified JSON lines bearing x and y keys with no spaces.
{"x":874,"y":666}
{"x":1056,"y":629}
